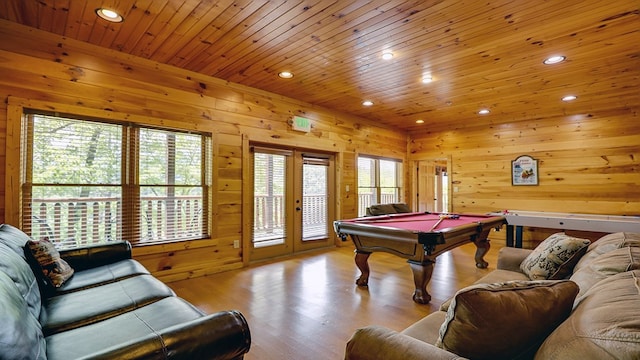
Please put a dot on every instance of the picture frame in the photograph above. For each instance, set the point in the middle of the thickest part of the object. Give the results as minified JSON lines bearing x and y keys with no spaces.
{"x":524,"y":171}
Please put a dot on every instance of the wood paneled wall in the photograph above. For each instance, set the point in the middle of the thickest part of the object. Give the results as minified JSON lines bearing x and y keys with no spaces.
{"x":39,"y":69}
{"x":588,"y":163}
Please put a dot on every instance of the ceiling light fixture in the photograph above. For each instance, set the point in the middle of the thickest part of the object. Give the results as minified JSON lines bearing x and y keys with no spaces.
{"x":109,"y":15}
{"x":285,"y":74}
{"x":484,"y":111}
{"x":427,"y":79}
{"x":420,"y":121}
{"x":554,"y":59}
{"x":367,"y":103}
{"x":387,"y":55}
{"x":569,"y":98}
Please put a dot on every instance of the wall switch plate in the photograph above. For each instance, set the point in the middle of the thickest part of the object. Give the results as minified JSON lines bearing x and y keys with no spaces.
{"x":236,"y":244}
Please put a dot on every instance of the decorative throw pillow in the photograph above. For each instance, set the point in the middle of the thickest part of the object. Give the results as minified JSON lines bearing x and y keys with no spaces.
{"x":55,"y":270}
{"x":505,"y":320}
{"x":554,"y":258}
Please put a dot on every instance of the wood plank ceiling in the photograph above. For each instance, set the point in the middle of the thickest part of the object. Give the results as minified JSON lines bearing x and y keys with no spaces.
{"x":480,"y":54}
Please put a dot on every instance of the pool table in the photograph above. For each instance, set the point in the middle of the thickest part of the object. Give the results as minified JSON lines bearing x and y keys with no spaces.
{"x":417,"y":237}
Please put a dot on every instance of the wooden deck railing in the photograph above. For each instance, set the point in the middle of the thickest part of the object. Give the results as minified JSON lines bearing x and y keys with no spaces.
{"x":269,"y":221}
{"x":80,"y":221}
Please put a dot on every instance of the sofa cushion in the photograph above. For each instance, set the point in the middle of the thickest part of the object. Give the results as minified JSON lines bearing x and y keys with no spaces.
{"x":608,"y":243}
{"x":101,"y":275}
{"x":20,"y":333}
{"x":17,"y":269}
{"x":605,"y":325}
{"x":427,"y":329}
{"x":605,"y":265}
{"x":144,"y":324}
{"x":55,"y":270}
{"x":14,"y":238}
{"x":79,"y":308}
{"x":554,"y":258}
{"x":505,"y":320}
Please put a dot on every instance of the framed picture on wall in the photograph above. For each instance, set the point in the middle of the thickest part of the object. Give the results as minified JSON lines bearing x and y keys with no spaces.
{"x":524,"y":171}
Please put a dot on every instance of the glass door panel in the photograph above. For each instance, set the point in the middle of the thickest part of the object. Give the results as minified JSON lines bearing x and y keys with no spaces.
{"x":270,"y":235}
{"x":315,"y":199}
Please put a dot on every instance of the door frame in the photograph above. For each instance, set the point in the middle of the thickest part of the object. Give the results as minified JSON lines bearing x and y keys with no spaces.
{"x":300,"y":245}
{"x":415,"y":180}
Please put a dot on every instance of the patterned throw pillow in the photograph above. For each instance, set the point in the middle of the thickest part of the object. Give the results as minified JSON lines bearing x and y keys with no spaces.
{"x":554,"y":258}
{"x":55,"y":270}
{"x":505,"y":320}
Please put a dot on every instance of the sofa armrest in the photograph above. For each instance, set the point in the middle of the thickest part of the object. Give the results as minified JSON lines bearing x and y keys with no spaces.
{"x":510,"y":258}
{"x":377,"y":343}
{"x":222,"y":336}
{"x":90,"y":256}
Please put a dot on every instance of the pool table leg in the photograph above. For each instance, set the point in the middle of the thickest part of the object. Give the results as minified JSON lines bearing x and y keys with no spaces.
{"x":421,"y":276}
{"x":482,"y":247}
{"x":362,"y":264}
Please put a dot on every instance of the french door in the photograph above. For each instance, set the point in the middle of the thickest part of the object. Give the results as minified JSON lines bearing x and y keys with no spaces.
{"x":433,"y":185}
{"x":293,"y":201}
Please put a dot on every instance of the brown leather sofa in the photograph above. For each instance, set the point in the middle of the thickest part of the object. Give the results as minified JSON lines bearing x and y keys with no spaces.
{"x":602,"y":319}
{"x":111,"y":307}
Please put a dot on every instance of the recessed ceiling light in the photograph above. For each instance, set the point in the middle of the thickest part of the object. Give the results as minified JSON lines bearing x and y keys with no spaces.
{"x":554,"y":59}
{"x":387,"y":55}
{"x":420,"y":121}
{"x":484,"y":111}
{"x":367,"y":103}
{"x":285,"y":74}
{"x":569,"y":98}
{"x":427,"y":79}
{"x":109,"y":15}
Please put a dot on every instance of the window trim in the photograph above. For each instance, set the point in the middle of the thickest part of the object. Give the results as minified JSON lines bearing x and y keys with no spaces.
{"x":16,"y":152}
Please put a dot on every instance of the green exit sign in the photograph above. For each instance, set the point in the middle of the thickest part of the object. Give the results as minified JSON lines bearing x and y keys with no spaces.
{"x":301,"y":124}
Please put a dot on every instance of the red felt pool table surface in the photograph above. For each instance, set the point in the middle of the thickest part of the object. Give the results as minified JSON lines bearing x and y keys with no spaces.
{"x":420,"y":222}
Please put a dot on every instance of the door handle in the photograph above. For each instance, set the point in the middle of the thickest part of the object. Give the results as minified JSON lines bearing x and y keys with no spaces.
{"x":298,"y":209}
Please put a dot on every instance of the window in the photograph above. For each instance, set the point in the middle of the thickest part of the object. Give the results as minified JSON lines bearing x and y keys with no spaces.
{"x":86,"y":181}
{"x":379,"y":182}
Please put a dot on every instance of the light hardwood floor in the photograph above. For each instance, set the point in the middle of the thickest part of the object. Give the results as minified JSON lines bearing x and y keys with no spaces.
{"x":307,"y":306}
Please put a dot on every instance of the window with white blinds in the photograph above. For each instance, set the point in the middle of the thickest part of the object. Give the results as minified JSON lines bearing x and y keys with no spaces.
{"x":379,"y":182}
{"x":87,"y":181}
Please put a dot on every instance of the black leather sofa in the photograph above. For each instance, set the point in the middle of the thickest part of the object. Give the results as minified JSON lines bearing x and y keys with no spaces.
{"x":111,"y":308}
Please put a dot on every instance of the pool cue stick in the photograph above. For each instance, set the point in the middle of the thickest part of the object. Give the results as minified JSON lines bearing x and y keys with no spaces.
{"x":436,"y":224}
{"x":388,"y":220}
{"x":442,"y":217}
